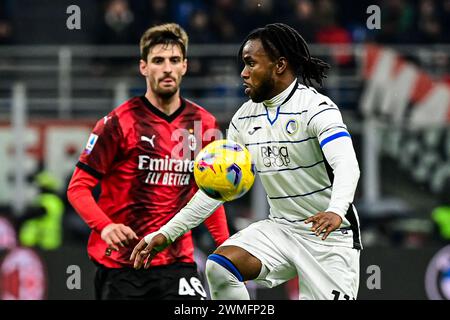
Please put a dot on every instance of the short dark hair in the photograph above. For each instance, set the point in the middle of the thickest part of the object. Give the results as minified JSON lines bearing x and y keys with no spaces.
{"x":281,"y":40}
{"x":169,"y":33}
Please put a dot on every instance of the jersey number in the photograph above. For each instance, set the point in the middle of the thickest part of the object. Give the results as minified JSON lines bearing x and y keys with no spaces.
{"x":337,"y":294}
{"x":186,"y":289}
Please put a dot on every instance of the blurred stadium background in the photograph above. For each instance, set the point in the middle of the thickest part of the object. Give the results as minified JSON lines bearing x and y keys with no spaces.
{"x":392,"y":85}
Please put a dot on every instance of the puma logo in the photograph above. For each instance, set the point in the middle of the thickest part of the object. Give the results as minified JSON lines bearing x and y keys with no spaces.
{"x":105,"y":119}
{"x":147,"y":139}
{"x":251,"y":132}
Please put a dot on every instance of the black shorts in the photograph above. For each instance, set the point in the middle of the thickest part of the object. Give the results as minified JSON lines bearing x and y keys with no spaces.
{"x":179,"y":281}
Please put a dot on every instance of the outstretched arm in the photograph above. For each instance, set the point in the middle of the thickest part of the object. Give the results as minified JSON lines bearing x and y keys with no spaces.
{"x":195,"y":212}
{"x":217,"y":226}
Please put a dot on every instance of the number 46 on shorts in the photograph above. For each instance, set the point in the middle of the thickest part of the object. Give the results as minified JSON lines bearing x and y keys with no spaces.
{"x":191,"y":287}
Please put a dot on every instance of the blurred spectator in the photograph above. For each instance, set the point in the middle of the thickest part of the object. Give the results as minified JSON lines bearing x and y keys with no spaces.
{"x":445,"y":18}
{"x":225,"y":20}
{"x":254,"y":14}
{"x":6,"y":34}
{"x":397,"y":18}
{"x":42,"y":224}
{"x":184,"y":9}
{"x":227,"y":31}
{"x":441,"y":217}
{"x":353,"y":16}
{"x":199,"y":28}
{"x":199,"y":31}
{"x":122,"y":21}
{"x":150,"y":13}
{"x":117,"y":24}
{"x":429,"y":27}
{"x":304,"y":19}
{"x":440,"y":214}
{"x":331,"y":33}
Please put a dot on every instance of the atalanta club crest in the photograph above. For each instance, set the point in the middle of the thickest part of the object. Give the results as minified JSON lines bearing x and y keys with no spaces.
{"x":291,"y":126}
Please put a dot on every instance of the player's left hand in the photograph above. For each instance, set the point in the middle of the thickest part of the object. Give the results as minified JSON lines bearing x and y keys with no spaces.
{"x":324,"y":222}
{"x":147,"y":249}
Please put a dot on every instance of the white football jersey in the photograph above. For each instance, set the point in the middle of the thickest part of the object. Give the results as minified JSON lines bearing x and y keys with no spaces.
{"x":285,"y":141}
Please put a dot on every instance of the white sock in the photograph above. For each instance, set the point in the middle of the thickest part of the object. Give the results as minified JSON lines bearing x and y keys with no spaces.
{"x":223,"y":285}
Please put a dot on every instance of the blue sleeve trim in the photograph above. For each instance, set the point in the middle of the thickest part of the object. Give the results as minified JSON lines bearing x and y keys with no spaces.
{"x":227,"y":264}
{"x":333,"y":137}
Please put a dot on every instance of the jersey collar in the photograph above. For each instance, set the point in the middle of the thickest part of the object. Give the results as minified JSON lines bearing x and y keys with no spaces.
{"x":282,"y":97}
{"x":162,"y":115}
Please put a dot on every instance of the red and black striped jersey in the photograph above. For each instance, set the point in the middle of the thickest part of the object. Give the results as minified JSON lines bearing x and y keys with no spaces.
{"x":144,"y":160}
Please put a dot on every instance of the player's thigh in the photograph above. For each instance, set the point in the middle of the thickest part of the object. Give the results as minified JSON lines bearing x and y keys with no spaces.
{"x":182,"y":284}
{"x":326,"y":272}
{"x":343,"y":266}
{"x":259,"y":253}
{"x":108,"y":284}
{"x":99,"y":283}
{"x":171,"y":282}
{"x":248,"y":265}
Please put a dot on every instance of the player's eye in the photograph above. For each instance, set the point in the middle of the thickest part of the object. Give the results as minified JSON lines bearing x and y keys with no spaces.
{"x":175,"y":60}
{"x":250,"y":63}
{"x":158,"y":60}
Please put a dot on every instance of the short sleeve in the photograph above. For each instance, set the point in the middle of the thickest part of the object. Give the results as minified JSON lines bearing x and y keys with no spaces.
{"x":102,"y":147}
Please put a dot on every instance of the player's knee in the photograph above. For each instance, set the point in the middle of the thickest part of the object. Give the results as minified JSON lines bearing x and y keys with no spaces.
{"x":221,"y":272}
{"x":214,"y":274}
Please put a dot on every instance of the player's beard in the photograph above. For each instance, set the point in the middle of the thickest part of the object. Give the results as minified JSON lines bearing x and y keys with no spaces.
{"x":262,"y":92}
{"x":166,"y":93}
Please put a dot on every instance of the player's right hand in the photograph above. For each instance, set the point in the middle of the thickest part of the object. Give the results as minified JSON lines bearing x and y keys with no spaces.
{"x":118,"y":234}
{"x":147,"y":249}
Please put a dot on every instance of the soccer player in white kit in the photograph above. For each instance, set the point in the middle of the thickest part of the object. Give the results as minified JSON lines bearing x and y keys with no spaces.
{"x":305,"y":158}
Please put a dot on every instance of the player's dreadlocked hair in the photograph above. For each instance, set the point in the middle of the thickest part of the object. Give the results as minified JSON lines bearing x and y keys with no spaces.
{"x":280,"y":40}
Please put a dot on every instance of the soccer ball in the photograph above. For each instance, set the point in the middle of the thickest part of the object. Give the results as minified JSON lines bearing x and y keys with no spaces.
{"x":224,"y":170}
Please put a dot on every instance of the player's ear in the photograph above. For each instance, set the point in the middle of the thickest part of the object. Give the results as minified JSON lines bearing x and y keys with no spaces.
{"x":184,"y":67}
{"x":281,"y":65}
{"x":143,"y":67}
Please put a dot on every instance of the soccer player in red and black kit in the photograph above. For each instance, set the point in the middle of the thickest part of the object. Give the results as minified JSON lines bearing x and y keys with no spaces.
{"x":142,"y":154}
